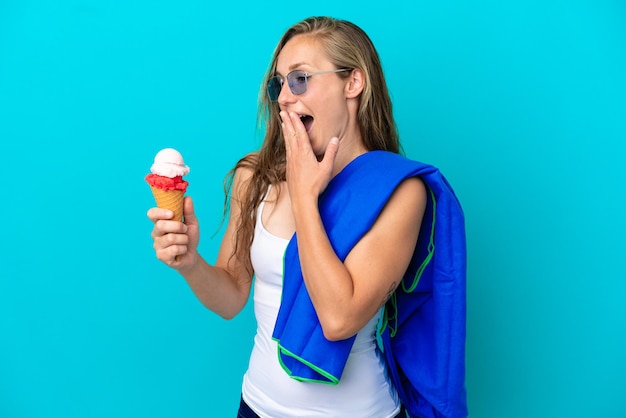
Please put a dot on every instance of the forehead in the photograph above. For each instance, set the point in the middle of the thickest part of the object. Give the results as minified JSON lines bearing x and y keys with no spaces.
{"x":301,"y":51}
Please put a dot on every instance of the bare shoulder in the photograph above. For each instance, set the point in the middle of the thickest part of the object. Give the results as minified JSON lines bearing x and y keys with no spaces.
{"x":246,"y":165}
{"x":400,"y":220}
{"x":410,"y":195}
{"x":398,"y":224}
{"x":241,"y":174}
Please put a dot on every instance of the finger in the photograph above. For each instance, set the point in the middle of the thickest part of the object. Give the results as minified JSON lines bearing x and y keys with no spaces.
{"x":163,"y":227}
{"x":179,"y":253}
{"x":298,"y":127}
{"x":330,"y":154}
{"x":154,"y":214}
{"x":288,"y":130}
{"x":189,"y":213}
{"x":286,"y":122}
{"x":170,"y":240}
{"x":169,"y":246}
{"x":174,"y":239}
{"x":292,"y":126}
{"x":171,"y":255}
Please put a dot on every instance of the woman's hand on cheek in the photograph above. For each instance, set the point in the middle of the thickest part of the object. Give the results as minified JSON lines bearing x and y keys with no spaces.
{"x":305,"y":174}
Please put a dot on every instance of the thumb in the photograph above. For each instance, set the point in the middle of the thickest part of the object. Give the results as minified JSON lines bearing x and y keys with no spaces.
{"x":331,"y":153}
{"x":188,"y":212}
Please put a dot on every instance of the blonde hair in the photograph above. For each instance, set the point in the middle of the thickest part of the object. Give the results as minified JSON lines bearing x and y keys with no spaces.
{"x":346,"y":46}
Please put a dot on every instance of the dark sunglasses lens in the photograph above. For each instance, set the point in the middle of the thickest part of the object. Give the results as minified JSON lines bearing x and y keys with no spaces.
{"x":297,"y":81}
{"x":273,"y":88}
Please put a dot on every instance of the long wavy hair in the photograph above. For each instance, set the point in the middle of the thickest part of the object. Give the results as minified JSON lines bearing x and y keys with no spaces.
{"x":346,"y":46}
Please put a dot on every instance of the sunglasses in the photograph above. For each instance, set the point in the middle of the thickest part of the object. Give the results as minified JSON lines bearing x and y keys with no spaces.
{"x":296,"y":80}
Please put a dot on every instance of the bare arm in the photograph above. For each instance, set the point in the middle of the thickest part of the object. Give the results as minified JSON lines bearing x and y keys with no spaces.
{"x":223,"y":288}
{"x":347,"y":295}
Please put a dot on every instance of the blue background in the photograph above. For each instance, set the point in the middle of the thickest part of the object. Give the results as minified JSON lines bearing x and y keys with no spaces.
{"x":520,"y":103}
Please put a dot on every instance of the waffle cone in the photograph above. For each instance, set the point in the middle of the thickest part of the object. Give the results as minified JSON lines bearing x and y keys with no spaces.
{"x":169,"y":199}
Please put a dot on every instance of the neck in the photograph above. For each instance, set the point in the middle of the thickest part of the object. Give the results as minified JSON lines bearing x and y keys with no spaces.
{"x":351,"y":142}
{"x":349,"y":149}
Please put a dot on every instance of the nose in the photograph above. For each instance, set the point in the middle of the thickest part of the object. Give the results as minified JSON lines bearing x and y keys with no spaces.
{"x":286,"y":96}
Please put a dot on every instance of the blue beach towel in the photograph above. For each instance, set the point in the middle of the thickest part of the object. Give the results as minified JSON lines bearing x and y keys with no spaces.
{"x":422,"y":334}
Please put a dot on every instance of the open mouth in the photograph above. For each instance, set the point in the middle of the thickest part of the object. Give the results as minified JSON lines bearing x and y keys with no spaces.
{"x":307,"y":121}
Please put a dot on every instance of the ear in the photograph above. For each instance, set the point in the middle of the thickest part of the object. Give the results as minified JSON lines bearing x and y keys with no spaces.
{"x":355,"y":84}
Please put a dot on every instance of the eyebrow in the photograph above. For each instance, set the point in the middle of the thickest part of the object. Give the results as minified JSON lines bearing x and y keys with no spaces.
{"x":291,"y":67}
{"x":296,"y":65}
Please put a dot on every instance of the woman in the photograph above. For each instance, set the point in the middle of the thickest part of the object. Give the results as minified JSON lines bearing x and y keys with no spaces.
{"x":325,"y":103}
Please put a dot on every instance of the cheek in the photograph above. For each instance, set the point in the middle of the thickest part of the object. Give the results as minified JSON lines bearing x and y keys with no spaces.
{"x":331,"y":117}
{"x":333,"y":122}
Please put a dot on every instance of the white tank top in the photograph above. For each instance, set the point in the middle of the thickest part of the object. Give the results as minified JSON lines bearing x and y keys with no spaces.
{"x":363,"y":391}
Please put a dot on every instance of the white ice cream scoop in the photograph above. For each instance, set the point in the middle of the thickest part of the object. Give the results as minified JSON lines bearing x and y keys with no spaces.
{"x":169,"y":163}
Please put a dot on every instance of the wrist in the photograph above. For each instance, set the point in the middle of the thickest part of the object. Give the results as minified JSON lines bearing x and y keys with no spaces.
{"x":190,"y":263}
{"x":304,"y":207}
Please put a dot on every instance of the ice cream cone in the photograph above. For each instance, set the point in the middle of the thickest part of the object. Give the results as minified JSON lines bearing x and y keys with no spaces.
{"x":167,"y":184}
{"x":169,"y":199}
